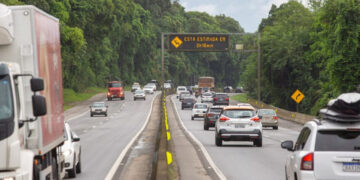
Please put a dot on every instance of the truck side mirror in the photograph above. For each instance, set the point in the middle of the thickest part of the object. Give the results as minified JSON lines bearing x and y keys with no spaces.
{"x":39,"y":105}
{"x":37,"y":84}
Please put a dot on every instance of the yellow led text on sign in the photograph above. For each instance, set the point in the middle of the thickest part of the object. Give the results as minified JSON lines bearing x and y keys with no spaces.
{"x":199,"y":42}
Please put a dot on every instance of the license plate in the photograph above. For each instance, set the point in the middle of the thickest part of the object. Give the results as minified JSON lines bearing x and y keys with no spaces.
{"x":239,"y":125}
{"x":351,"y":167}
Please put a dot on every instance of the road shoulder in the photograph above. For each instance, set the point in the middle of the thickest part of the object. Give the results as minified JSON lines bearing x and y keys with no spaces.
{"x":191,"y":162}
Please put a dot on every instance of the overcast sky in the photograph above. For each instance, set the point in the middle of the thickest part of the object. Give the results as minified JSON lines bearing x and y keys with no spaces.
{"x":247,"y":12}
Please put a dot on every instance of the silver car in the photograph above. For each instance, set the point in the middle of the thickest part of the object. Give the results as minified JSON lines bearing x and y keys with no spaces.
{"x":268,"y":118}
{"x":98,"y":108}
{"x":207,"y":97}
{"x":139,"y":94}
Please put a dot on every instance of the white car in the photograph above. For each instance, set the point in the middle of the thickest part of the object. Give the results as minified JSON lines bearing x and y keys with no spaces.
{"x":199,"y":110}
{"x":180,"y":89}
{"x":167,"y":86}
{"x":149,"y":89}
{"x":71,"y":151}
{"x":328,"y":148}
{"x":238,"y":123}
{"x":153,"y":85}
{"x":207,"y":97}
{"x":139,"y":94}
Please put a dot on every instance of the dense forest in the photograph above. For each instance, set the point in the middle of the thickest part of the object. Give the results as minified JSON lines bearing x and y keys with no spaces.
{"x":313,"y":48}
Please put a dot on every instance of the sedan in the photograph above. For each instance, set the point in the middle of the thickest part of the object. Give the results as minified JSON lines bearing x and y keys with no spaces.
{"x":268,"y":118}
{"x":139,"y":94}
{"x":149,"y":89}
{"x":221,"y":99}
{"x":199,"y":110}
{"x":72,"y":152}
{"x":207,"y":97}
{"x":188,"y":102}
{"x":98,"y":108}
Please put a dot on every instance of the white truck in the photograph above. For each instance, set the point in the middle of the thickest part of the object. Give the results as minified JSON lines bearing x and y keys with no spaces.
{"x":31,"y":95}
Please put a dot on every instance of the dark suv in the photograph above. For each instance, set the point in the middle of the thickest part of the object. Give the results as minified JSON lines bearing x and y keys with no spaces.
{"x":212,"y":114}
{"x":188,"y":102}
{"x":221,"y":99}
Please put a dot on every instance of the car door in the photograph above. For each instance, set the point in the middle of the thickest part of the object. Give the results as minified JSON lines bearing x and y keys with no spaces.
{"x":76,"y":145}
{"x":295,"y":158}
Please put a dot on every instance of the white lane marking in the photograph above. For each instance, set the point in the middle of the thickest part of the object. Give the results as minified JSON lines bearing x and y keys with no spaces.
{"x":204,"y":151}
{"x":75,"y":117}
{"x":116,"y":165}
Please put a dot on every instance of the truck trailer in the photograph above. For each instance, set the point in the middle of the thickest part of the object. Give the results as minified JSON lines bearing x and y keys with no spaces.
{"x":31,"y":95}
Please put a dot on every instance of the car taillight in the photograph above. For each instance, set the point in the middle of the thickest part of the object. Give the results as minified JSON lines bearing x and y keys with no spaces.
{"x":215,"y":99}
{"x":108,"y":94}
{"x":256,"y":119}
{"x":223,"y":119}
{"x":307,"y":162}
{"x":275,"y":117}
{"x":226,"y":99}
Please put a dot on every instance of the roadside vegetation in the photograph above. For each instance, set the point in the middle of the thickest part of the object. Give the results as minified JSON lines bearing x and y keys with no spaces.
{"x":240,"y":98}
{"x":312,"y":48}
{"x":71,"y":97}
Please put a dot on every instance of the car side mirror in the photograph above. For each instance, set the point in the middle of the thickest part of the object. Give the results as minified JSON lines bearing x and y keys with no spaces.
{"x":260,"y":117}
{"x":37,"y":84}
{"x":288,"y":145}
{"x":76,"y":139}
{"x":39,"y":105}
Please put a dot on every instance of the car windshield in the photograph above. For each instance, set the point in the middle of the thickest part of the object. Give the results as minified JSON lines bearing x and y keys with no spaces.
{"x":341,"y":140}
{"x":239,"y":113}
{"x":98,"y":105}
{"x":6,"y":104}
{"x":267,"y":112}
{"x":114,"y":85}
{"x":181,"y":89}
{"x":200,"y":106}
{"x":139,"y":92}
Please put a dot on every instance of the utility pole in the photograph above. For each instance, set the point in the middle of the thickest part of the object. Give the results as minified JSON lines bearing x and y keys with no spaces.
{"x":162,"y":61}
{"x":259,"y":66}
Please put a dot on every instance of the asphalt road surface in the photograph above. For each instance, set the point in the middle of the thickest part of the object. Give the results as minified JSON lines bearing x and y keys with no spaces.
{"x":242,"y":160}
{"x":104,"y":138}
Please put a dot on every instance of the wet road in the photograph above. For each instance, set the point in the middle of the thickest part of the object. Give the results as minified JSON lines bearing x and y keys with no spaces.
{"x":241,"y":160}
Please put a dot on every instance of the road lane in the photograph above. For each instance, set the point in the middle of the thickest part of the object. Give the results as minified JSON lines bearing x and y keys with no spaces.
{"x":103,"y":138}
{"x":241,"y":160}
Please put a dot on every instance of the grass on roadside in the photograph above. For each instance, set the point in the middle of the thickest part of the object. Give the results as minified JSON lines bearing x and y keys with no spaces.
{"x":71,"y":97}
{"x":240,"y":97}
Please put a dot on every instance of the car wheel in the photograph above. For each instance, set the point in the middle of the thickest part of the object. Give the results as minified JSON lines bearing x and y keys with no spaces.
{"x":218,"y":140}
{"x":106,"y":115}
{"x":258,"y":142}
{"x":275,"y":127}
{"x":72,"y":172}
{"x":206,"y":125}
{"x":144,"y":99}
{"x":91,"y":115}
{"x":192,"y":117}
{"x":78,"y":166}
{"x":182,"y":108}
{"x":134,"y":99}
{"x":109,"y":99}
{"x":122,"y":98}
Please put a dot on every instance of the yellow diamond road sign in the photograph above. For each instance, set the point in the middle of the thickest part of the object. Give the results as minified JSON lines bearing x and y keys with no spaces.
{"x":297,"y":96}
{"x":176,"y":42}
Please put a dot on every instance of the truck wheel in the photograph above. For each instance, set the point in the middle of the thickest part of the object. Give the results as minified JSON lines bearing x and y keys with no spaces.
{"x":72,"y":172}
{"x":218,"y":140}
{"x":55,"y":171}
{"x":78,"y":166}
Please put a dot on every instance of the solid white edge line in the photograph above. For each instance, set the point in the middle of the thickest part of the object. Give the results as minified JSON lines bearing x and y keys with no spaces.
{"x":204,"y":151}
{"x":116,"y":165}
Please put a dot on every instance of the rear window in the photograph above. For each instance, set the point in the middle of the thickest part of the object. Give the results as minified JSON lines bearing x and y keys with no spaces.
{"x":114,"y":85}
{"x":239,"y":113}
{"x":267,"y":112}
{"x":200,"y":106}
{"x":338,"y":141}
{"x":188,"y":100}
{"x":221,"y":95}
{"x":216,"y":110}
{"x":181,"y":89}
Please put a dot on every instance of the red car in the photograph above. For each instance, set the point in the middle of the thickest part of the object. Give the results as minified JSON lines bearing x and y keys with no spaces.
{"x":115,"y":90}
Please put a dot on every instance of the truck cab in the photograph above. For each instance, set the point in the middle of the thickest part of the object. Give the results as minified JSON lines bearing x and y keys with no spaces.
{"x":115,"y":90}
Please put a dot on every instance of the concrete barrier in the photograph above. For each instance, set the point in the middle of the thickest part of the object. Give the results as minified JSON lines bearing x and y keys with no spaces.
{"x":282,"y":113}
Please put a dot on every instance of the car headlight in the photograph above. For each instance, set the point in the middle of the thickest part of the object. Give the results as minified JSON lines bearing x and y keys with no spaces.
{"x":67,"y":152}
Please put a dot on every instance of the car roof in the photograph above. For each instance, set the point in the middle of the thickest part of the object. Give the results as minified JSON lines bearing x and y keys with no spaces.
{"x":332,"y":125}
{"x":239,"y":108}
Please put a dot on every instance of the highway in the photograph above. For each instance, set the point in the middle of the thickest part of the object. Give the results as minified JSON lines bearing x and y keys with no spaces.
{"x":104,"y":138}
{"x":242,"y":160}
